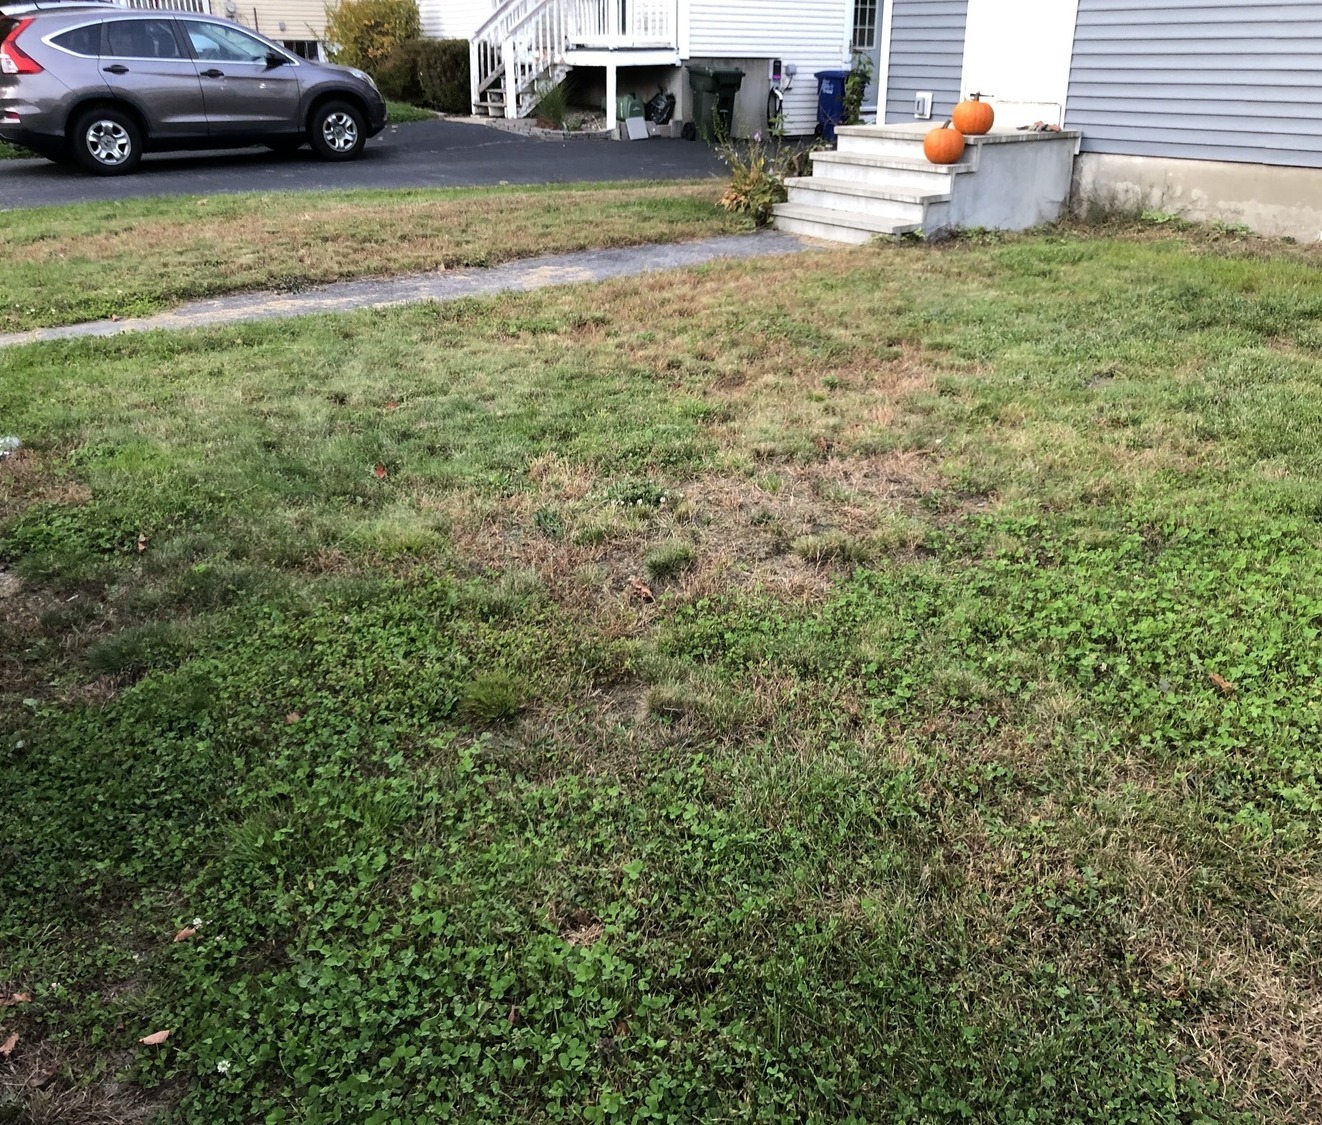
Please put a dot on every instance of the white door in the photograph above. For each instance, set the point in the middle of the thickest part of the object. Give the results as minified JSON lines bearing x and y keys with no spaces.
{"x":1018,"y":53}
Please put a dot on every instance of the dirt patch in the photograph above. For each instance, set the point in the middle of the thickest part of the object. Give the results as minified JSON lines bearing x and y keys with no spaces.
{"x":40,"y":1085}
{"x":581,"y":932}
{"x":28,"y":478}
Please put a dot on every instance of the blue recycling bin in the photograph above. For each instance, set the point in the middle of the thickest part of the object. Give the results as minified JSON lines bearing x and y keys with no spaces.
{"x":830,"y":101}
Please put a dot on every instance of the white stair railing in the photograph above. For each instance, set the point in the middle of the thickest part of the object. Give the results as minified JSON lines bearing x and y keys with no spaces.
{"x":524,"y":44}
{"x":520,"y":46}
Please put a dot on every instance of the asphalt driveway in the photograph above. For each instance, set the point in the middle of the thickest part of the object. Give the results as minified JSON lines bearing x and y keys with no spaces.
{"x":418,"y":154}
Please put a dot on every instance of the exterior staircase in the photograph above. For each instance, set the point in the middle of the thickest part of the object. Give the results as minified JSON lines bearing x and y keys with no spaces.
{"x":878,"y":182}
{"x":516,"y":54}
{"x":528,"y":46}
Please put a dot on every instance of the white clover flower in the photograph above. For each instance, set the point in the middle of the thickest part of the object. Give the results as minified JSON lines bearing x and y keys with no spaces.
{"x":196,"y":922}
{"x":223,"y":1067}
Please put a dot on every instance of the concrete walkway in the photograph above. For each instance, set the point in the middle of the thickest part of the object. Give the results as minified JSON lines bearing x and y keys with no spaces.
{"x":445,"y":285}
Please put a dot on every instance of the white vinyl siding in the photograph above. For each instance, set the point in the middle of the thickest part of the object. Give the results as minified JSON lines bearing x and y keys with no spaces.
{"x":453,"y":19}
{"x":1236,"y":80}
{"x":303,"y":19}
{"x":811,"y":34}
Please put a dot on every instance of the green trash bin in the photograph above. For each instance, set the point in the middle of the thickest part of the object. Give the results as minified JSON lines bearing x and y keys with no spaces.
{"x":714,"y":89}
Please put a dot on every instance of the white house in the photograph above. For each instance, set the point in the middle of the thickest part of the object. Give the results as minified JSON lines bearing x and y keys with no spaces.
{"x":1204,"y":108}
{"x":634,"y":46}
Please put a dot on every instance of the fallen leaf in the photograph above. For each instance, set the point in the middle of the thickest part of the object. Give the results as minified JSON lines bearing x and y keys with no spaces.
{"x":1224,"y":686}
{"x":16,"y":998}
{"x":142,"y":543}
{"x":391,"y":405}
{"x":185,"y":933}
{"x":642,"y":589}
{"x":41,"y":1079}
{"x":380,"y":472}
{"x":155,"y":1039}
{"x":7,"y":1047}
{"x":292,"y":717}
{"x":514,"y":1015}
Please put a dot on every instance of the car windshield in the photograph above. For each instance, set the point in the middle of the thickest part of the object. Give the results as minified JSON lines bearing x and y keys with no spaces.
{"x":224,"y":44}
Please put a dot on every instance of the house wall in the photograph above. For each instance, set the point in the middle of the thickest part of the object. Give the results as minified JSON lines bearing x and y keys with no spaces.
{"x":453,"y":19}
{"x":303,"y":19}
{"x":811,"y":34}
{"x":926,"y":53}
{"x":1208,"y":80}
{"x":1269,"y":199}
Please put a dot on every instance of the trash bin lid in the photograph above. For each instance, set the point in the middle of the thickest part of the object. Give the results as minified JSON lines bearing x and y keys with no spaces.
{"x":838,"y":75}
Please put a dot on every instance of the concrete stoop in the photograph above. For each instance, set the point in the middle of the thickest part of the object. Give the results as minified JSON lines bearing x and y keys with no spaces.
{"x":878,"y":182}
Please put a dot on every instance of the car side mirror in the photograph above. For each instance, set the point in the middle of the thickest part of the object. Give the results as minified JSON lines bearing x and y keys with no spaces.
{"x":273,"y":60}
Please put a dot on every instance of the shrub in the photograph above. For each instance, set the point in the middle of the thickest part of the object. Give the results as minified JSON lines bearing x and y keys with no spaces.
{"x":430,"y":72}
{"x":856,"y":85}
{"x":364,"y":33}
{"x":397,"y":77}
{"x":757,"y":177}
{"x":553,"y":103}
{"x":443,"y":75}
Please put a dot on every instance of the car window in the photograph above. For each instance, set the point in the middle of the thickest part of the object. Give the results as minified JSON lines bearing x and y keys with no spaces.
{"x":224,"y":44}
{"x":80,"y":40}
{"x":142,"y":39}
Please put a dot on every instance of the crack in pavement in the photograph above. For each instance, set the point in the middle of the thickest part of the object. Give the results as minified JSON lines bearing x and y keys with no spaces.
{"x":441,"y":285}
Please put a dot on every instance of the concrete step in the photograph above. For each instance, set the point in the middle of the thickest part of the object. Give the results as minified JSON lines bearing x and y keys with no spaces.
{"x":835,"y":226}
{"x":864,"y":199}
{"x":881,"y":140}
{"x":920,"y":174}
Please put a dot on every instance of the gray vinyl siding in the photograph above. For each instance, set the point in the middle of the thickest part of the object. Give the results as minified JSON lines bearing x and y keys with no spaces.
{"x":1233,"y":80}
{"x":926,"y":53}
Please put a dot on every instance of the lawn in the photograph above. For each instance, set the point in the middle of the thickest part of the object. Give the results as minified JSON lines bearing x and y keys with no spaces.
{"x":97,"y":260}
{"x":882,"y":686}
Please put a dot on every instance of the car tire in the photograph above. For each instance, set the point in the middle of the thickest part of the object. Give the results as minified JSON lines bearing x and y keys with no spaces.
{"x":106,"y":141}
{"x":337,"y":130}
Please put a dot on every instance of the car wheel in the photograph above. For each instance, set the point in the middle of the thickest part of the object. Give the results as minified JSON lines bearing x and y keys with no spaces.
{"x":106,"y":141}
{"x":337,"y":131}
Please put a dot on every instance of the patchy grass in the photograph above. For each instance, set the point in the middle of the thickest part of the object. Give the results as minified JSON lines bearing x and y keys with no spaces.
{"x":967,"y":767}
{"x":127,"y":258}
{"x":14,"y":152}
{"x":401,"y":113}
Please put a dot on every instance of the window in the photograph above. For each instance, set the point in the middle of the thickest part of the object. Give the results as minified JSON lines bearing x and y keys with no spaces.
{"x":84,"y":41}
{"x":303,"y":48}
{"x":214,"y":43}
{"x":142,"y":39}
{"x":865,"y":25}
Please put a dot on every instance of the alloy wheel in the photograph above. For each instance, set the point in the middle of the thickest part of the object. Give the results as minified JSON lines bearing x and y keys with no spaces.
{"x":108,"y":142}
{"x":339,"y":131}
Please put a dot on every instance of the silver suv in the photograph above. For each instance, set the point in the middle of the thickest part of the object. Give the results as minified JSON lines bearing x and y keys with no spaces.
{"x":102,"y":85}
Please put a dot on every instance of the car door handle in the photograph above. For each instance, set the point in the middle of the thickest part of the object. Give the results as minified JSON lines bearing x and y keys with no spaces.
{"x":118,"y":68}
{"x":213,"y":73}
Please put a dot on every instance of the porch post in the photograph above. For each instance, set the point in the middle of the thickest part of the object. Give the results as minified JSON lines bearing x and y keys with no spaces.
{"x":511,"y":78}
{"x":612,"y":85}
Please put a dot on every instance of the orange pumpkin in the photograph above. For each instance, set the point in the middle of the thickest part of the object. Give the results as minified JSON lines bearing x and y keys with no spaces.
{"x":944,"y":145}
{"x":973,"y":117}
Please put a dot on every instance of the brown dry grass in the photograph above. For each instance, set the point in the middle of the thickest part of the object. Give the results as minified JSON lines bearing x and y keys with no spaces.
{"x":27,"y":478}
{"x":137,"y":256}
